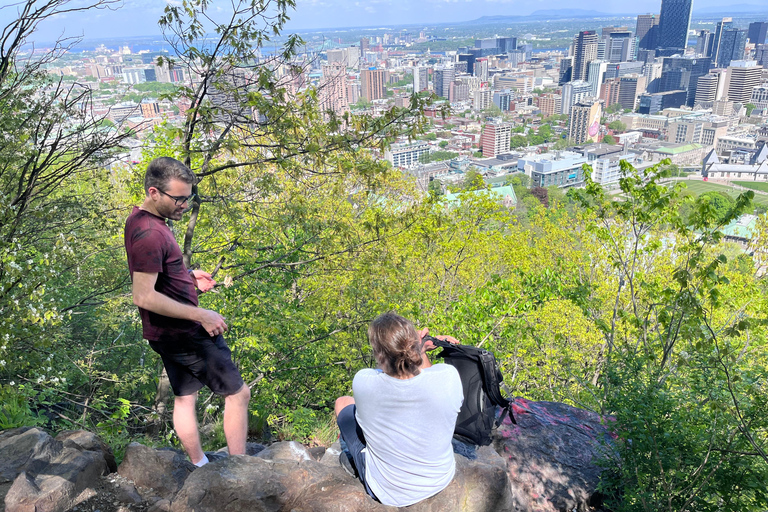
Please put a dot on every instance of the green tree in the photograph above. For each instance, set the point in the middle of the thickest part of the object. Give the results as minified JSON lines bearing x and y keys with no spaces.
{"x":750,"y":107}
{"x":518,"y":141}
{"x":617,"y":126}
{"x":609,"y":139}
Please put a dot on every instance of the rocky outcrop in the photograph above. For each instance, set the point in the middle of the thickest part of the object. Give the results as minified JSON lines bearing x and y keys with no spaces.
{"x":39,"y":473}
{"x":547,"y":462}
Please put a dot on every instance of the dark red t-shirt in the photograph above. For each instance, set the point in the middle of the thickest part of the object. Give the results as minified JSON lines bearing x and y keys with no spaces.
{"x":151,"y":248}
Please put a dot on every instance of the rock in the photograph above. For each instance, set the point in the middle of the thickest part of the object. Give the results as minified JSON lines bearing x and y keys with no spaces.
{"x":317,"y":452}
{"x":331,"y":455}
{"x":552,"y":455}
{"x":286,"y":450}
{"x":69,"y":478}
{"x":25,"y":449}
{"x":126,"y":493}
{"x":243,"y":483}
{"x":160,"y":506}
{"x":163,"y":470}
{"x":89,"y":441}
{"x":254,"y":448}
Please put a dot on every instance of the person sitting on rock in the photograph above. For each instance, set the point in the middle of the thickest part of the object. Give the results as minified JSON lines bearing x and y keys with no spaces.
{"x":398,"y":427}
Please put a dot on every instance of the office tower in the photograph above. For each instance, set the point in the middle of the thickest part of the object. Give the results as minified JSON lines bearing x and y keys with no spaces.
{"x":656,"y":102}
{"x":441,"y":80}
{"x":652,"y":72}
{"x":674,"y":22}
{"x":469,"y":58}
{"x":732,"y":45}
{"x":584,"y":123}
{"x":481,"y":69}
{"x":482,"y":99}
{"x":709,"y":88}
{"x":596,"y":75}
{"x":584,"y":51}
{"x":515,"y":57}
{"x":420,"y":79}
{"x":459,"y":91}
{"x":333,"y":89}
{"x":496,"y":139}
{"x":372,"y":83}
{"x":646,"y":56}
{"x":743,"y":76}
{"x":503,"y":99}
{"x":574,"y":92}
{"x":757,"y":32}
{"x":606,"y":31}
{"x":723,"y":25}
{"x":630,"y":88}
{"x":609,"y":91}
{"x":566,"y":70}
{"x":761,"y":56}
{"x":506,"y":44}
{"x":550,"y":104}
{"x":704,"y":40}
{"x":365,"y":45}
{"x":646,"y":31}
{"x":620,"y":47}
{"x":681,"y":73}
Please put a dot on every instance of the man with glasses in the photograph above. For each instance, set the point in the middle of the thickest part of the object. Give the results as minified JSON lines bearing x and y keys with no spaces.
{"x":188,"y":338}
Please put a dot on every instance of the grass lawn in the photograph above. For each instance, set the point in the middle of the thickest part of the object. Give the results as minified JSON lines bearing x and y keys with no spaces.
{"x":763,"y":187}
{"x":700,"y":187}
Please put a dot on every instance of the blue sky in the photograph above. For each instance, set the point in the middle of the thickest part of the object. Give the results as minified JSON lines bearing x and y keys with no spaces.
{"x":139,"y":17}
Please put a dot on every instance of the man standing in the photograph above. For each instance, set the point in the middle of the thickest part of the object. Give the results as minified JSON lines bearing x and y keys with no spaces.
{"x":188,"y":338}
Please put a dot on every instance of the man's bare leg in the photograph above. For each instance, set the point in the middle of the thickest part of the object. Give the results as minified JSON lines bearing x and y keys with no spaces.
{"x":236,"y":420}
{"x":185,"y":425}
{"x":341,"y":403}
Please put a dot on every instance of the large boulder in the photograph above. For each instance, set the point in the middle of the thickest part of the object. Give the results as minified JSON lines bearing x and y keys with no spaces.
{"x":164,"y":470}
{"x":552,"y":455}
{"x":243,"y":483}
{"x":48,"y":475}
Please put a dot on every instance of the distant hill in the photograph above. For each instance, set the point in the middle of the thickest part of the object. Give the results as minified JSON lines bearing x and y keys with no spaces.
{"x":731,"y":9}
{"x":546,"y":14}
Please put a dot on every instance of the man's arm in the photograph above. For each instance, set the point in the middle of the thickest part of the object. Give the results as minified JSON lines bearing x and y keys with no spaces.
{"x":146,"y":297}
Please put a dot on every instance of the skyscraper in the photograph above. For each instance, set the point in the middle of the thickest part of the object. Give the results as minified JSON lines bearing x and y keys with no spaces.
{"x":441,"y":81}
{"x":630,"y":88}
{"x":732,"y":45}
{"x":674,"y":22}
{"x":725,"y":24}
{"x":372,"y":83}
{"x":743,"y":76}
{"x":573,"y":92}
{"x":596,"y":75}
{"x":566,"y":70}
{"x":757,"y":32}
{"x":704,"y":43}
{"x":646,"y":31}
{"x":333,"y":89}
{"x":681,"y":73}
{"x":584,"y":125}
{"x":620,"y":47}
{"x":496,"y":138}
{"x":420,"y":79}
{"x":584,"y":51}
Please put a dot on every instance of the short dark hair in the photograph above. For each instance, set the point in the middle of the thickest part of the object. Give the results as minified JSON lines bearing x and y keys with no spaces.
{"x":395,"y":345}
{"x":161,"y":170}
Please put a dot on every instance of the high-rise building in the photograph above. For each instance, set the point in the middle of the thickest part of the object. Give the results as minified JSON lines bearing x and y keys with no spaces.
{"x":631,"y":87}
{"x":482,"y":99}
{"x":566,"y":70}
{"x":496,"y":138}
{"x":596,"y":75}
{"x":609,"y":91}
{"x":574,"y":92}
{"x":459,"y":91}
{"x":761,"y":56}
{"x":333,"y":89}
{"x":584,"y":124}
{"x":652,"y":72}
{"x":469,"y":58}
{"x":704,"y":40}
{"x":709,"y":88}
{"x":732,"y":45}
{"x":620,"y":47}
{"x":656,"y":102}
{"x":757,"y":32}
{"x":722,"y":26}
{"x":441,"y":80}
{"x":584,"y":51}
{"x":365,"y":45}
{"x":503,"y":99}
{"x":420,"y":79}
{"x":674,"y":22}
{"x":550,"y":104}
{"x":646,"y":31}
{"x":681,"y":73}
{"x":481,"y":69}
{"x":372,"y":82}
{"x":743,"y":76}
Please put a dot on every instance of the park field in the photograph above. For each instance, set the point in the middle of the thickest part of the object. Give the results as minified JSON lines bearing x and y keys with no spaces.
{"x":763,"y":187}
{"x":700,"y":187}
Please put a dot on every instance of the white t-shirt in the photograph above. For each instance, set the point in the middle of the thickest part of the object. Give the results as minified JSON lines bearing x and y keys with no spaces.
{"x":408,"y":426}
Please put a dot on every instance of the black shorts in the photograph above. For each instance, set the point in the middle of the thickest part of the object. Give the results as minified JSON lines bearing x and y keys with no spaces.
{"x":199,"y":360}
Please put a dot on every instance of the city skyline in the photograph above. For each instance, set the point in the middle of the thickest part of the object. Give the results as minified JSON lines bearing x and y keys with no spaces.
{"x":139,"y":17}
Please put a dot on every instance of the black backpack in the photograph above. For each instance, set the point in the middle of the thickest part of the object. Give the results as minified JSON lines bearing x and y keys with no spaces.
{"x":480,"y":379}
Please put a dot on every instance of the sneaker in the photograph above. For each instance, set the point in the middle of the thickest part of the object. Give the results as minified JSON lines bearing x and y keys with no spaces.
{"x":346,"y":462}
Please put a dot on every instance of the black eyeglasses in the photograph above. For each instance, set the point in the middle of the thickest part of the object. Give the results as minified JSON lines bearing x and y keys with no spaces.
{"x":178,"y":199}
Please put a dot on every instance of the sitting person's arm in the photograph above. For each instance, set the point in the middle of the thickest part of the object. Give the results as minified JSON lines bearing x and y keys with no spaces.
{"x":427,"y":345}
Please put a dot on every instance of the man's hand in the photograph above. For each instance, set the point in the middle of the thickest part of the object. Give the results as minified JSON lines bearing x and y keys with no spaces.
{"x":203,"y":280}
{"x":212,"y":322}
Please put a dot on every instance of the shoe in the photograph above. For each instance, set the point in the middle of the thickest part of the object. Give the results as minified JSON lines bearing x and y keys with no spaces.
{"x":346,"y":462}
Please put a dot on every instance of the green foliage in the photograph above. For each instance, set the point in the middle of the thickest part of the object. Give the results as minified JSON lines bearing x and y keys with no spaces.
{"x":617,"y":126}
{"x":609,"y":139}
{"x":750,"y":107}
{"x":437,"y":156}
{"x":613,"y":109}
